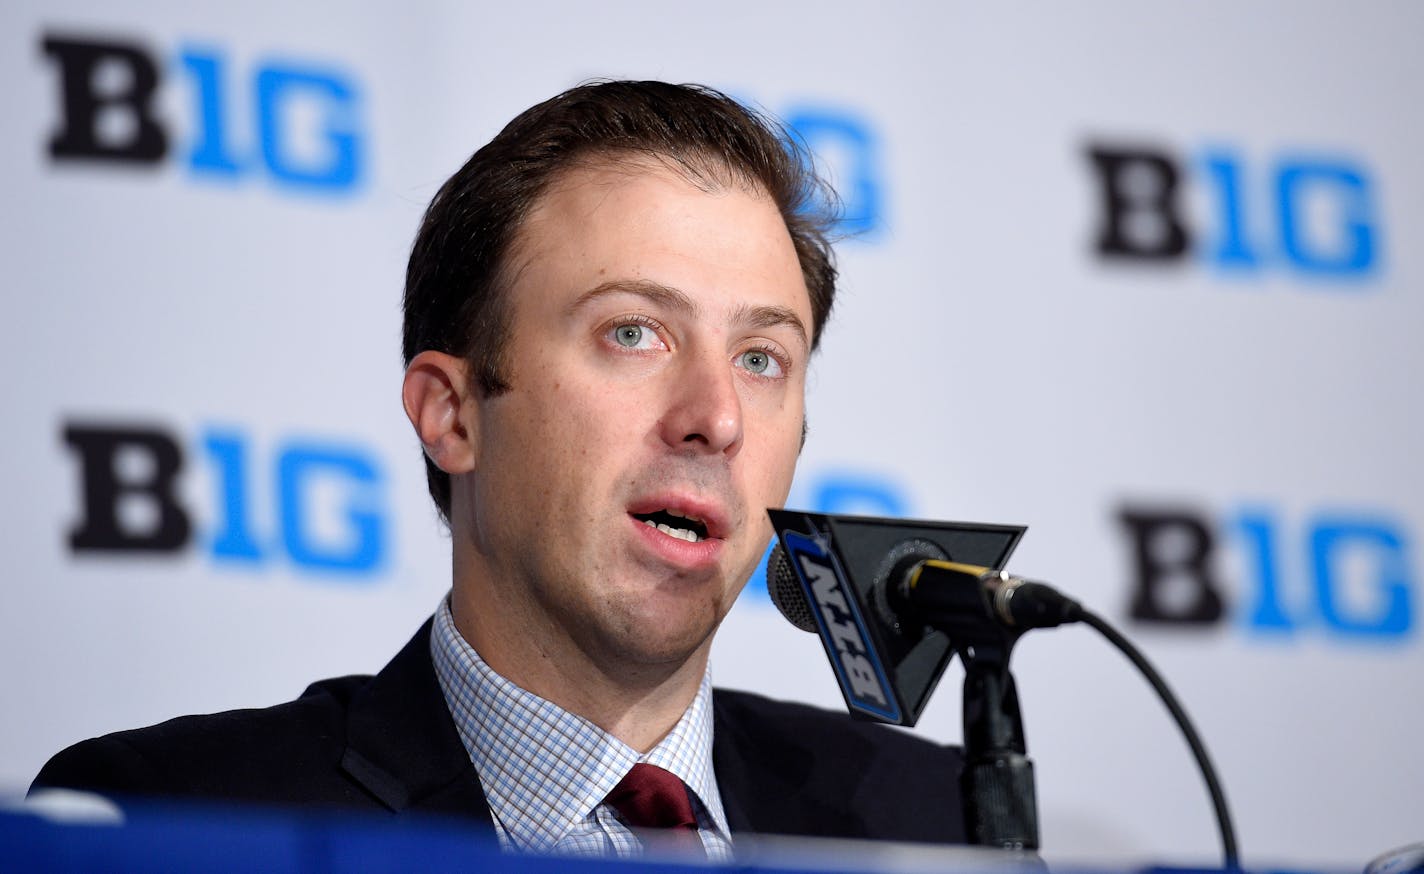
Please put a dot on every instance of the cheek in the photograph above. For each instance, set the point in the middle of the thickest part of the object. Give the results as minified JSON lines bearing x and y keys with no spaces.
{"x":773,"y":463}
{"x":587,"y":414}
{"x":779,"y":426}
{"x":587,"y":433}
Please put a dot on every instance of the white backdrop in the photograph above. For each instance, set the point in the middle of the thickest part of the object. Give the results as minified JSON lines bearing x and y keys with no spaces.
{"x":986,"y":361}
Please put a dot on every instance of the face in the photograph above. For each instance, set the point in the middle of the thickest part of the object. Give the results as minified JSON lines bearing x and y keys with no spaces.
{"x":657,"y":361}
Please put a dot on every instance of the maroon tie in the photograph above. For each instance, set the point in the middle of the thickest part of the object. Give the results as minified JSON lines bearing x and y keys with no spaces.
{"x":649,"y":798}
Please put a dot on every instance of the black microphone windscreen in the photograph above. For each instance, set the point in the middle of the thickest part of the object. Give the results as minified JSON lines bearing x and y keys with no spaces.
{"x":786,"y":593}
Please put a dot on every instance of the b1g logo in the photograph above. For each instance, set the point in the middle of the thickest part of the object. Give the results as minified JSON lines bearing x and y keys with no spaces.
{"x":1313,"y":214}
{"x":1344,"y":573}
{"x":304,"y":133}
{"x":328,"y":500}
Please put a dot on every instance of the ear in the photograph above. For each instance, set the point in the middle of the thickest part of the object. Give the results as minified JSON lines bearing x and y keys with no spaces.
{"x":436,"y":397}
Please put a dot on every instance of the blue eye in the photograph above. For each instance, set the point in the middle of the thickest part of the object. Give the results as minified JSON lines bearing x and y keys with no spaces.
{"x":759,"y":362}
{"x":632,"y":334}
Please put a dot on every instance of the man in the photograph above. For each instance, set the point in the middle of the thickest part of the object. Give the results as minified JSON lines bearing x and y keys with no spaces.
{"x":609,"y":313}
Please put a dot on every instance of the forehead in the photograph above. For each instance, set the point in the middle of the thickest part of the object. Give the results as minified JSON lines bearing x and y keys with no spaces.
{"x":636,"y":218}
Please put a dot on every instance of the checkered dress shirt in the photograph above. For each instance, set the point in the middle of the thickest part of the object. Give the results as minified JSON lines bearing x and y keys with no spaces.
{"x":545,"y":771}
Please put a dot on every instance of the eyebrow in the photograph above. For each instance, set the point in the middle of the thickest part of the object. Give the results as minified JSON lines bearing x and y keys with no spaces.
{"x":763,"y":316}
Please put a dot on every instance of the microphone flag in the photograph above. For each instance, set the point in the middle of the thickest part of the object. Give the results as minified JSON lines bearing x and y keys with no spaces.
{"x":830,"y":575}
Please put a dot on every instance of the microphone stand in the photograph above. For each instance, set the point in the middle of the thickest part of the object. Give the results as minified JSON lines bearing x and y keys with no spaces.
{"x":997,"y":783}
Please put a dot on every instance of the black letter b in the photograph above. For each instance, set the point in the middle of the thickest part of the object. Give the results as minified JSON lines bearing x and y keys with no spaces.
{"x":1174,"y":582}
{"x":105,"y":121}
{"x":103,"y":491}
{"x":1139,"y":216}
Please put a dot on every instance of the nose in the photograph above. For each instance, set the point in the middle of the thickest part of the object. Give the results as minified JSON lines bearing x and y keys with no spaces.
{"x":704,"y":412}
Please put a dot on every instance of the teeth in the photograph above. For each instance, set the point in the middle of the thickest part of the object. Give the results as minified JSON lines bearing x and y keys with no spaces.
{"x":680,"y":533}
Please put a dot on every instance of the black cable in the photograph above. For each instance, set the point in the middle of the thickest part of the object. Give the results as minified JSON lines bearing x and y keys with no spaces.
{"x":1213,"y":785}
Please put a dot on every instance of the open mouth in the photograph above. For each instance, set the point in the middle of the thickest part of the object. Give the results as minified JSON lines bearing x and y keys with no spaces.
{"x":674,"y":525}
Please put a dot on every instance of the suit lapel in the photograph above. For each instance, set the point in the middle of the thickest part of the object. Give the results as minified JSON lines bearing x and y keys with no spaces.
{"x":402,"y":745}
{"x":765,"y":778}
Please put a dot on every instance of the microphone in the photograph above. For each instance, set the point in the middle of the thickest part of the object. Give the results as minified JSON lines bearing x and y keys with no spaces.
{"x":893,"y":600}
{"x":933,"y":591}
{"x":939,"y":591}
{"x":843,"y":577}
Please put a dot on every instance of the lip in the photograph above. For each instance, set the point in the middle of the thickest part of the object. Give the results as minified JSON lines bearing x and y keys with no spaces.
{"x":708,"y":513}
{"x":679,"y":553}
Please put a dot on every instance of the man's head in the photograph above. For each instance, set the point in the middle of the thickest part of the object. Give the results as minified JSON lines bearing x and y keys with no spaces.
{"x":458,"y":276}
{"x":610,"y":314}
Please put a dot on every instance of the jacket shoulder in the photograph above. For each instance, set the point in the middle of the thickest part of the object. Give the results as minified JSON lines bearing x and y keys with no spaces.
{"x":288,"y":752}
{"x":799,"y":769}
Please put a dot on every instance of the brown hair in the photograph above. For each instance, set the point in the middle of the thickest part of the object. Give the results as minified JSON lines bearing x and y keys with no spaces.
{"x":454,"y":301}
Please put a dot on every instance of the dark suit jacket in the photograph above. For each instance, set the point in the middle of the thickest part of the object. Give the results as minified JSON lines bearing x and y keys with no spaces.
{"x":388,"y":743}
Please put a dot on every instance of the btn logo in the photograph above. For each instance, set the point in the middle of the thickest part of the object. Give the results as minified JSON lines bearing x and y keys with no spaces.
{"x":1312,"y":214}
{"x":1345,"y":573}
{"x":328,"y":499}
{"x":843,"y":631}
{"x":305,"y":133}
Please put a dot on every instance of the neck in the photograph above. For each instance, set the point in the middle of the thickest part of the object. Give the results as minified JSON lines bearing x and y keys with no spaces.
{"x":636,"y":702}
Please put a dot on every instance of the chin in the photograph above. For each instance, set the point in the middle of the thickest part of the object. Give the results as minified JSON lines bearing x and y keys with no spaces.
{"x":665,"y":637}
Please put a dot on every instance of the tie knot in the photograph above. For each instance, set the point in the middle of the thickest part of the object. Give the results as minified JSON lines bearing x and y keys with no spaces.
{"x":650,"y":797}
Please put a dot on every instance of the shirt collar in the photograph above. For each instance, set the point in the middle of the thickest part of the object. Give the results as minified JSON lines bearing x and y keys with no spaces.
{"x":543,"y":769}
